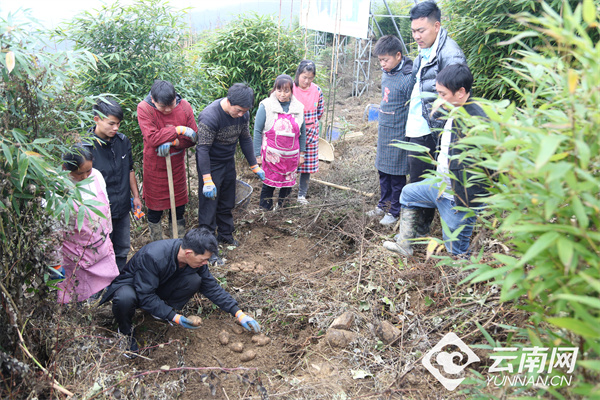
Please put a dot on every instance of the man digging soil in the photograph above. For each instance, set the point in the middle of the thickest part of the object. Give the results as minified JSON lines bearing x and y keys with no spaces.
{"x":162,"y":277}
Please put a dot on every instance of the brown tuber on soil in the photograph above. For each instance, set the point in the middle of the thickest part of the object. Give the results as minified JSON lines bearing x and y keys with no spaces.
{"x":195,"y":320}
{"x":237,"y":329}
{"x":261,"y":340}
{"x":224,"y":338}
{"x":238,"y":347}
{"x":248,"y":355}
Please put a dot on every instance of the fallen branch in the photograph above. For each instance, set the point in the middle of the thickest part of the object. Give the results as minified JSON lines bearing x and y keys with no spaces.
{"x":342,"y":187}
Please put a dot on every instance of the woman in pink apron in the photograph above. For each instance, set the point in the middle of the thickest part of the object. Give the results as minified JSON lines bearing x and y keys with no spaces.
{"x":88,"y":257}
{"x":311,"y":96}
{"x":279,"y":140}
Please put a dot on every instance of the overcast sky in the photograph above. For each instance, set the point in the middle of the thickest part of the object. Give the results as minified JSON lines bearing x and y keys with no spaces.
{"x":50,"y":13}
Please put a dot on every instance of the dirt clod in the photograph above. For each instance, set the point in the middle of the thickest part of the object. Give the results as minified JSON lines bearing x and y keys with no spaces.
{"x":344,"y":321}
{"x":248,"y":355}
{"x":387,"y":332}
{"x":238,"y":347}
{"x":224,"y":337}
{"x":261,"y":340}
{"x":339,"y":337}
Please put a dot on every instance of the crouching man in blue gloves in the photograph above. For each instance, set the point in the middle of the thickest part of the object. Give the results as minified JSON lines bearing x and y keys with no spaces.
{"x":162,"y":277}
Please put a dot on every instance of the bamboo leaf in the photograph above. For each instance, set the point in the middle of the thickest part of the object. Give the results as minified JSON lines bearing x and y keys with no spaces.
{"x":589,"y":11}
{"x":10,"y":61}
{"x":548,"y":147}
{"x":575,"y":326}
{"x":588,"y":301}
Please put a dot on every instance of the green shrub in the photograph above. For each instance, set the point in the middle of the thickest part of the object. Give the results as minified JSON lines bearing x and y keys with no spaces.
{"x":481,"y":29}
{"x":252,"y":49}
{"x":38,"y":106}
{"x":547,"y":155}
{"x":135,"y":45}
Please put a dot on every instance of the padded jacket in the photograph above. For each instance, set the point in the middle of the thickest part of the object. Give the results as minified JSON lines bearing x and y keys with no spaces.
{"x":447,"y":53}
{"x":113,"y":158}
{"x":153,"y":266}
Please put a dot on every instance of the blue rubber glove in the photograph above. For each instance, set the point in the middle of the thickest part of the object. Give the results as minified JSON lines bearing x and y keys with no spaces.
{"x":163,"y":149}
{"x":247,"y":322}
{"x":189,"y":132}
{"x":258,"y":171}
{"x":57,"y":272}
{"x":183,"y":321}
{"x":209,"y":190}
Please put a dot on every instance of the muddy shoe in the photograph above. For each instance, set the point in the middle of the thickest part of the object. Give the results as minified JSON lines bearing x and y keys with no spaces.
{"x":216,"y":260}
{"x":130,"y":346}
{"x":377,"y":212}
{"x":228,"y":241}
{"x":388,"y":220}
{"x":302,"y":200}
{"x":400,"y":248}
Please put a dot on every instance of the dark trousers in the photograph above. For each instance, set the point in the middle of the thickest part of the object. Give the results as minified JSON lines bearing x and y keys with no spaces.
{"x":217,"y":214}
{"x":154,"y":216}
{"x":121,"y":240}
{"x":391,"y":188}
{"x":416,"y":169}
{"x":266,"y":196}
{"x":176,"y":292}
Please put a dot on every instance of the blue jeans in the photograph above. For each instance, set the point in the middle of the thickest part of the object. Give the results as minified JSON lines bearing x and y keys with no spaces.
{"x":425,"y":194}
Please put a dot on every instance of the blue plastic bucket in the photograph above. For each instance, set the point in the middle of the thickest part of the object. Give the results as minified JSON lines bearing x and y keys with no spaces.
{"x":371,"y":112}
{"x":333,"y":133}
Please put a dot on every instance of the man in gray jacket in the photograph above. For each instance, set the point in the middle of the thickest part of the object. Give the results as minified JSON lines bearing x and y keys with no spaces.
{"x":436,"y":51}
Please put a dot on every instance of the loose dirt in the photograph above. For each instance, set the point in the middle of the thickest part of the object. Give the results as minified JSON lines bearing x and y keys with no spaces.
{"x":296,"y":270}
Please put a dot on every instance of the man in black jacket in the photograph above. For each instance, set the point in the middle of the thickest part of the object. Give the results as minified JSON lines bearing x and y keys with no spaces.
{"x":112,"y":157}
{"x":163,"y":276}
{"x":458,"y":188}
{"x":436,"y":51}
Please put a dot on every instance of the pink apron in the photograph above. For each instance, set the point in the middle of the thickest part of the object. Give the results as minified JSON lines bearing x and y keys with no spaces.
{"x":88,"y":255}
{"x":280,"y":152}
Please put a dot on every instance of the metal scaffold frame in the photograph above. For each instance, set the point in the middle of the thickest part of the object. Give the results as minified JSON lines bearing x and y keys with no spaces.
{"x":320,"y":42}
{"x":362,"y":66}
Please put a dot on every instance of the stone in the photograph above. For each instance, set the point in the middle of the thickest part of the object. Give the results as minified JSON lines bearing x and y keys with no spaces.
{"x":344,"y":321}
{"x":339,"y":337}
{"x":387,"y":332}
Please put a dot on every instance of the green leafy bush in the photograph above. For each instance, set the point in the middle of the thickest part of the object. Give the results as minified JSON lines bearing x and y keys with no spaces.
{"x":254,"y":50}
{"x":547,"y":155}
{"x":481,"y":28}
{"x":38,"y":106}
{"x":136,"y":44}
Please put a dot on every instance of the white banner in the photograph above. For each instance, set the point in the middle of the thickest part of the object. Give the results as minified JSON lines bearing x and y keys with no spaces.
{"x":345,"y":17}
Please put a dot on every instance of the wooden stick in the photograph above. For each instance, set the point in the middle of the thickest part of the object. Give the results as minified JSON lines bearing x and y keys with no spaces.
{"x":171,"y":195}
{"x":342,"y":187}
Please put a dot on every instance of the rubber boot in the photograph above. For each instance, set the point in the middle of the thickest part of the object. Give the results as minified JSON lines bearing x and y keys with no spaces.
{"x":155,"y":231}
{"x":408,"y":221}
{"x":423,"y":226}
{"x":181,"y":228}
